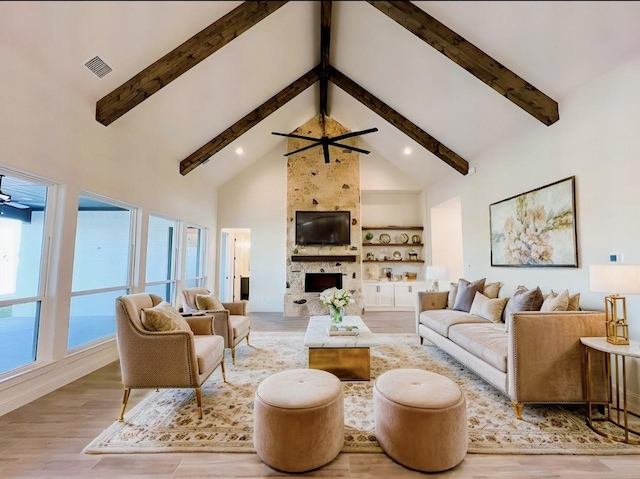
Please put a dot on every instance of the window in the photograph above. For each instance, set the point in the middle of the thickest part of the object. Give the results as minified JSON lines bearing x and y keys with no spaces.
{"x":161,"y":257}
{"x":196,"y":255}
{"x":22,"y":258}
{"x":102,"y":268}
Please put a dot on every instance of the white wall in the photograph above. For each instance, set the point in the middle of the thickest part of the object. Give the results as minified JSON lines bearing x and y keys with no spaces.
{"x":49,"y":131}
{"x":257,"y":199}
{"x":446,"y":240}
{"x":596,"y":140}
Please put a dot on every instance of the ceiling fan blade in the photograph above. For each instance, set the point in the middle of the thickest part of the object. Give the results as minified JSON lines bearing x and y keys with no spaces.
{"x":291,"y":135}
{"x":348,"y":147}
{"x":325,"y":149}
{"x":354,"y":133}
{"x":302,"y":149}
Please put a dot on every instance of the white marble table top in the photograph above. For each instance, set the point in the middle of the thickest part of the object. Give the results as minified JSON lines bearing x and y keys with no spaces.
{"x":318,"y":334}
{"x":631,"y":350}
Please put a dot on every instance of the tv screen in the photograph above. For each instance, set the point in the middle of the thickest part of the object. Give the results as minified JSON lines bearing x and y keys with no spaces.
{"x":323,"y":227}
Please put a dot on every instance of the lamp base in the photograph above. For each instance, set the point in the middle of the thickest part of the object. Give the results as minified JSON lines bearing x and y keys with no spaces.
{"x":616,"y":319}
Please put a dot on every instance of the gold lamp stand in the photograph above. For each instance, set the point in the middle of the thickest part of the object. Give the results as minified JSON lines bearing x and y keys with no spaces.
{"x":617,"y":327}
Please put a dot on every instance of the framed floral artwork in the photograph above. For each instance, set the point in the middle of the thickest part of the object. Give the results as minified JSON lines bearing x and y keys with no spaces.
{"x":536,"y":228}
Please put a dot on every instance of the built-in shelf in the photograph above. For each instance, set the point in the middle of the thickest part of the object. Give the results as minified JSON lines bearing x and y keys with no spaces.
{"x":393,"y":227}
{"x":346,"y":258}
{"x":393,"y":261}
{"x":392,"y":244}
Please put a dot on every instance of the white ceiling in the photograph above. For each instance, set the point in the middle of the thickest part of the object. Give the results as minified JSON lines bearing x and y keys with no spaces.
{"x":556,"y":46}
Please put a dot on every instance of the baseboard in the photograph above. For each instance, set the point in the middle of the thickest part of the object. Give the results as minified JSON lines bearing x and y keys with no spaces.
{"x":34,"y":384}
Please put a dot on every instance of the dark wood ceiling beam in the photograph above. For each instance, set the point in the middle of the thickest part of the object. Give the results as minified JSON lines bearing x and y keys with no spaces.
{"x":400,"y":122}
{"x":180,"y":60}
{"x":243,"y":125}
{"x":472,"y":59}
{"x":325,"y":42}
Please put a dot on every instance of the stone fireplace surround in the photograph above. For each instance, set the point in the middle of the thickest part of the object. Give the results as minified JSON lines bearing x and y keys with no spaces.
{"x":313,"y":185}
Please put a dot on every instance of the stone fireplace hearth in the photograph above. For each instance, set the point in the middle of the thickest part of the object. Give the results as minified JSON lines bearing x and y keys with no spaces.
{"x":313,"y":185}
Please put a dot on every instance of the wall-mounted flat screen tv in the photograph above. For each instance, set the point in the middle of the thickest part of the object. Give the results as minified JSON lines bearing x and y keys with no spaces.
{"x":323,"y":227}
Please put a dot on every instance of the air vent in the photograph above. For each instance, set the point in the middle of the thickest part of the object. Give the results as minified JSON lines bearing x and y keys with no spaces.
{"x":98,"y":66}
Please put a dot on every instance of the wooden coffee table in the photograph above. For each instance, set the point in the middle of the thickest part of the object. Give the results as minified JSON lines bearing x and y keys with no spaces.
{"x":348,"y":357}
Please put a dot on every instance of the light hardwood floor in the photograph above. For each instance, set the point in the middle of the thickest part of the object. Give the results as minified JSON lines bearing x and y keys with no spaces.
{"x":45,"y":437}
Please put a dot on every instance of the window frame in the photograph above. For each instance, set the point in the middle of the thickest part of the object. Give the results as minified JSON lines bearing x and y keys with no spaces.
{"x":44,"y":347}
{"x":176,"y":246}
{"x":129,"y":287}
{"x":201,"y":280}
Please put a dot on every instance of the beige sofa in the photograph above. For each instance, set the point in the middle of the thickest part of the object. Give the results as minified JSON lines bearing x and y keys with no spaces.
{"x":537,"y":359}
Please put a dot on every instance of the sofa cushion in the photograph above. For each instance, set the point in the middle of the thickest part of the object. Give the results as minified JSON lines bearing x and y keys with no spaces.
{"x":574,"y":301}
{"x":487,"y":341}
{"x":487,"y":308}
{"x":163,"y":317}
{"x":239,"y":324}
{"x":209,"y":349}
{"x":466,"y":293}
{"x":440,"y":320}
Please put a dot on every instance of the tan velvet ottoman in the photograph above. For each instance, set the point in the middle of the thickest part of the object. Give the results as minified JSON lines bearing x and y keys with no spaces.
{"x":421,"y":419}
{"x":298,"y":419}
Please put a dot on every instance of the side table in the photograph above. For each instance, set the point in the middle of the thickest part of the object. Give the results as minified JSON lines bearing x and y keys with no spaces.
{"x":617,"y":414}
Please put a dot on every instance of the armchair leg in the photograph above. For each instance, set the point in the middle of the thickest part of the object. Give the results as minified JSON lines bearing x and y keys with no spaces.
{"x":517,"y":408}
{"x":127,"y":391}
{"x":199,"y":400}
{"x":224,"y":376}
{"x":233,"y":355}
{"x":248,"y":339}
{"x":421,"y":340}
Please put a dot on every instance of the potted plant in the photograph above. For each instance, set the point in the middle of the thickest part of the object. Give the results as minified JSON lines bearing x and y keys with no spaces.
{"x":368,"y":237}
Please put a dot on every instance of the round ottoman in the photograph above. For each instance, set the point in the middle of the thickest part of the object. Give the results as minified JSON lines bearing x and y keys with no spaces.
{"x":421,"y":419}
{"x":298,"y":419}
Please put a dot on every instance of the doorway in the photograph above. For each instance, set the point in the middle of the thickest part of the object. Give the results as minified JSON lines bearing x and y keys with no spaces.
{"x":235,"y":253}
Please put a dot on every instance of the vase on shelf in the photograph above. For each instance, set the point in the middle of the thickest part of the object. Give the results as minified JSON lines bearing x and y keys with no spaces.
{"x":337,"y":314}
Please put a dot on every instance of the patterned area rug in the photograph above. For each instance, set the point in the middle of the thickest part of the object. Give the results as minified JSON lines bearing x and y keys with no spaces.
{"x":167,"y":421}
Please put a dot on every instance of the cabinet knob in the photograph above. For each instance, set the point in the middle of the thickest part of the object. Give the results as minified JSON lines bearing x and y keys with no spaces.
{"x":411,"y":289}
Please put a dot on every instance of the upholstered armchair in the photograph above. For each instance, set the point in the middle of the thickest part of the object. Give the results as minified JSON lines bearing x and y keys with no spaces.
{"x":232,"y":323}
{"x":164,"y":359}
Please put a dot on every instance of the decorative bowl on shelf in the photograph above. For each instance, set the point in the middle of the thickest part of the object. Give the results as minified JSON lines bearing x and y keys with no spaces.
{"x":415,"y":239}
{"x":404,"y":238}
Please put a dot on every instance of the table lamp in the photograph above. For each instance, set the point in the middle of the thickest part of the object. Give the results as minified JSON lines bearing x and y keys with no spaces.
{"x":615,"y":280}
{"x":434,"y":273}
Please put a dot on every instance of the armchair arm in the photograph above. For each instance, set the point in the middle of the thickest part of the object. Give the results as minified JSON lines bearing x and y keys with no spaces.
{"x":236,"y":308}
{"x":220,"y":324}
{"x":432,"y":300}
{"x":158,"y":359}
{"x":546,"y":358}
{"x":202,"y":325}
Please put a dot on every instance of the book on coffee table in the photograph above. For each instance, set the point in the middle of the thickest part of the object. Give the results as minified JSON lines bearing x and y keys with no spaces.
{"x":343,"y":330}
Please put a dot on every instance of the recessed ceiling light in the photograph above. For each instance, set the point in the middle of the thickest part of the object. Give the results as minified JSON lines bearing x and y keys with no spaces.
{"x":239,"y":151}
{"x":407,"y":151}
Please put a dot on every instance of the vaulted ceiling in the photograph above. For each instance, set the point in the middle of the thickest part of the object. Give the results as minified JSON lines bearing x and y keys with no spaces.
{"x":554,"y":46}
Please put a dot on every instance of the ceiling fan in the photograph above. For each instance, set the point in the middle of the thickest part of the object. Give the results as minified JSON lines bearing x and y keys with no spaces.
{"x":5,"y":198}
{"x":325,"y":141}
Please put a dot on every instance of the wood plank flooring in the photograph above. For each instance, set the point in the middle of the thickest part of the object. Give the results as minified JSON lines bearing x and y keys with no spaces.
{"x":44,"y":438}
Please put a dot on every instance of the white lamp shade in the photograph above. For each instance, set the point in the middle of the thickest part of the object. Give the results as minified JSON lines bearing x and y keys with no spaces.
{"x":437,"y":272}
{"x":615,"y":279}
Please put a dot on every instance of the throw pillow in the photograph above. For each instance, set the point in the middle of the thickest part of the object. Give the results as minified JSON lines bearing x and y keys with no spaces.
{"x":451,"y":299}
{"x":556,"y":302}
{"x":574,"y":301}
{"x":466,"y":292}
{"x":523,"y":300}
{"x":491,"y":290}
{"x":208,"y":302}
{"x":488,"y":308}
{"x":163,"y":317}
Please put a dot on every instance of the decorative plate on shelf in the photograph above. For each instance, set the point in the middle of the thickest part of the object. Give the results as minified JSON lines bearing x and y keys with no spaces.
{"x":415,"y":239}
{"x":385,"y":238}
{"x":397,"y":255}
{"x":404,"y":238}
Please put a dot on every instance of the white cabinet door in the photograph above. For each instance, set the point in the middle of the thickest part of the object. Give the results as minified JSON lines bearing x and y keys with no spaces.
{"x":406,"y":293}
{"x":370,"y":293}
{"x":385,"y":295}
